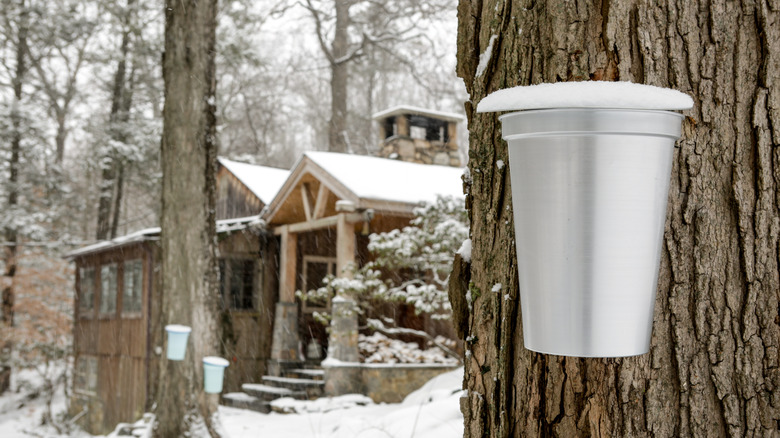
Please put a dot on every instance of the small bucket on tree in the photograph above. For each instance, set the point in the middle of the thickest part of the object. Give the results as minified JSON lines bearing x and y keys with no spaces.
{"x":590,"y":165}
{"x":177,"y":341}
{"x":213,"y":373}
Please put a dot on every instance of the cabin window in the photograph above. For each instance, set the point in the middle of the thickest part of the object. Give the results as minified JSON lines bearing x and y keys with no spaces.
{"x":133,"y":287}
{"x":85,"y":375}
{"x":87,"y":291}
{"x":108,"y":289}
{"x":236,"y":283}
{"x":315,"y":269}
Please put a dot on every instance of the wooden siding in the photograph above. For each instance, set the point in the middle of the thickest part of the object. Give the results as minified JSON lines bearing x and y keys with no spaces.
{"x":234,"y":199}
{"x":246,"y":337}
{"x":119,"y":342}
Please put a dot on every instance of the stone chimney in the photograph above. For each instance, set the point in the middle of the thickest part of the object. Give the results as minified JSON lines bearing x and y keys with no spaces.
{"x":419,"y":135}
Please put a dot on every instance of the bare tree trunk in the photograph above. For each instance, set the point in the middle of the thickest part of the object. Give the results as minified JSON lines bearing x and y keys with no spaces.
{"x":110,"y":188}
{"x":60,"y":137}
{"x":8,"y":294}
{"x":189,"y":270}
{"x":120,"y":186}
{"x":339,"y":69}
{"x":712,"y":370}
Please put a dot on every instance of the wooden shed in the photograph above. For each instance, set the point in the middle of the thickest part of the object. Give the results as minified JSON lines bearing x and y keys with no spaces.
{"x":117,"y":334}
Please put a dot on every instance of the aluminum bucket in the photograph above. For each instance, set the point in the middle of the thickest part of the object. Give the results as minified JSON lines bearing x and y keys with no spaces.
{"x":589,"y":190}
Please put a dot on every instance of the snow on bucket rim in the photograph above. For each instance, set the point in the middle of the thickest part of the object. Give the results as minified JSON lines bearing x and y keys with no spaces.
{"x":587,"y":94}
{"x":215,"y":361}
{"x":176,"y":328}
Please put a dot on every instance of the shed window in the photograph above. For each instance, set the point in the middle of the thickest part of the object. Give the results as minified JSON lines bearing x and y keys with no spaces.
{"x":236,"y":283}
{"x":108,"y":289}
{"x":86,"y":291}
{"x":86,"y":375}
{"x":132,"y":296}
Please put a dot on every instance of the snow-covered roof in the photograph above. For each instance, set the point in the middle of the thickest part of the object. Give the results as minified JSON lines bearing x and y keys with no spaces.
{"x":372,"y":182}
{"x":263,"y":181}
{"x":153,"y":234}
{"x":588,"y":94}
{"x":408,"y":109}
{"x":146,"y":234}
{"x":390,"y":180}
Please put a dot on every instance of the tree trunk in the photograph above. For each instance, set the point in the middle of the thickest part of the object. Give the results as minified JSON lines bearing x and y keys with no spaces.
{"x":121,"y":101}
{"x":338,"y":81}
{"x":189,"y":270}
{"x":712,"y":370}
{"x":120,"y":187}
{"x":8,"y":294}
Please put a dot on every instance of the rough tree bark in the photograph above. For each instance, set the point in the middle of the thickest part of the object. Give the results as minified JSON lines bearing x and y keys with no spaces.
{"x":713,"y":368}
{"x":8,"y":294}
{"x":189,"y":270}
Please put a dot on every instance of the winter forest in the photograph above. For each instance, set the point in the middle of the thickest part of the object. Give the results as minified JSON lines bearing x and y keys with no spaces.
{"x":82,"y":96}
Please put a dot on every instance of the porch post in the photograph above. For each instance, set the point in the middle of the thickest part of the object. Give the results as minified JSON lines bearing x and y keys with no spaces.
{"x":345,"y":241}
{"x":342,"y":368}
{"x":288,"y":259}
{"x":284,"y":345}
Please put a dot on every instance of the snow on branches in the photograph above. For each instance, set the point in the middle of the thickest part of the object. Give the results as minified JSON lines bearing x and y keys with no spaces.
{"x":410,"y":265}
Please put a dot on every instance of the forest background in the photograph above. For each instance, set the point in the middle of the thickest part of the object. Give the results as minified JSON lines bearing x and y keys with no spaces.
{"x":81,"y":98}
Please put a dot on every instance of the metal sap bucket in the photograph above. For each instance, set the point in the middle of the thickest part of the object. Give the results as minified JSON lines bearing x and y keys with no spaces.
{"x":177,"y":341}
{"x":213,"y":374}
{"x":589,"y":190}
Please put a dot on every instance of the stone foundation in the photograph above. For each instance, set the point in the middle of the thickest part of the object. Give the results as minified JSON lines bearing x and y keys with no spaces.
{"x":420,"y":151}
{"x":384,"y":383}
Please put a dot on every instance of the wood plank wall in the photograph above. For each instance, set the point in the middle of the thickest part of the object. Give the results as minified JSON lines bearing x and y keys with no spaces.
{"x":119,"y":342}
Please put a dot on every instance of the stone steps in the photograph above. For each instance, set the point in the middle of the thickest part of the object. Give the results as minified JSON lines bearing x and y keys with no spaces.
{"x":313,"y":388}
{"x":299,"y":383}
{"x":243,"y":400}
{"x":314,"y":374}
{"x":269,"y":393}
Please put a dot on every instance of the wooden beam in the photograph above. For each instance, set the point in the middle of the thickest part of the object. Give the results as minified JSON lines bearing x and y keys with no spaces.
{"x":317,"y":224}
{"x":306,"y":199}
{"x":288,"y":259}
{"x":320,"y":204}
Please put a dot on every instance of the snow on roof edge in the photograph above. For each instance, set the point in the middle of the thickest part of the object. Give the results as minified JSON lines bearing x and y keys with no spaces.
{"x":152,"y":234}
{"x":362,"y":189}
{"x":144,"y":235}
{"x":403,"y":109}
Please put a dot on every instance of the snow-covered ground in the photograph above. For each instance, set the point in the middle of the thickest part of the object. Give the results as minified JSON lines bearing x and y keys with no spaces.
{"x":431,"y":412}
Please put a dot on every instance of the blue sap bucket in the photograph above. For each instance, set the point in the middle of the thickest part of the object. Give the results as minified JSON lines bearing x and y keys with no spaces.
{"x":177,"y":341}
{"x":213,"y":373}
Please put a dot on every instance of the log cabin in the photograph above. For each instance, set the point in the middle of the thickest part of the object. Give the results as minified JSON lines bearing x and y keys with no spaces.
{"x":278,"y":232}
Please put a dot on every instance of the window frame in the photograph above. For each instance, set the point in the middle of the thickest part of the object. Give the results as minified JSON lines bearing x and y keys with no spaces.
{"x":132,"y":313}
{"x":226,"y":296}
{"x":85,"y":375}
{"x":89,"y":312}
{"x":331,"y":270}
{"x":103,"y":268}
